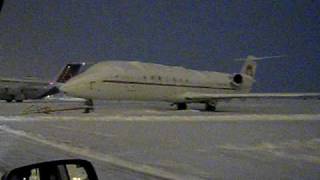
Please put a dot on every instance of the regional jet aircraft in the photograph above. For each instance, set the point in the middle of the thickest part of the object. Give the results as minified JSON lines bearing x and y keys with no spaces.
{"x":121,"y":80}
{"x":22,"y":89}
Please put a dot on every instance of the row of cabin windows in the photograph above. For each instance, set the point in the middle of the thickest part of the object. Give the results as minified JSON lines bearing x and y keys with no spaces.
{"x":159,"y":78}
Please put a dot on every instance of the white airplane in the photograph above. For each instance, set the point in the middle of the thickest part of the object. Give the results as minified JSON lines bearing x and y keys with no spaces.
{"x":123,"y":80}
{"x":33,"y":88}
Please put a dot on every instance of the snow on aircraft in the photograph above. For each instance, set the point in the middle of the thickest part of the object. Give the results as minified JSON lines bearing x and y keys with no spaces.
{"x":32,"y":88}
{"x":132,"y":80}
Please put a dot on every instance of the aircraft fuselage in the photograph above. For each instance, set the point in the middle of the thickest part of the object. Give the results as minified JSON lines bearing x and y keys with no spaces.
{"x":148,"y":82}
{"x":21,"y":91}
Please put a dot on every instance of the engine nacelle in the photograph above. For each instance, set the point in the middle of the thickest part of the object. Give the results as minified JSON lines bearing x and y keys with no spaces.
{"x":237,"y":80}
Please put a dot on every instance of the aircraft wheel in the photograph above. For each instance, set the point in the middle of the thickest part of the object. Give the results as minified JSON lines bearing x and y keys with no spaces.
{"x":10,"y":98}
{"x":210,"y":107}
{"x":89,"y":106}
{"x":181,"y":106}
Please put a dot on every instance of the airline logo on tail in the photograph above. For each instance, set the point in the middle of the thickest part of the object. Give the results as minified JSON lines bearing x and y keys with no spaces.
{"x":69,"y":72}
{"x":249,"y":71}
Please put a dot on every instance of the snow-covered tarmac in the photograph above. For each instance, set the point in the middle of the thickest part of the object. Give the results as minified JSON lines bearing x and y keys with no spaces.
{"x":133,"y":140}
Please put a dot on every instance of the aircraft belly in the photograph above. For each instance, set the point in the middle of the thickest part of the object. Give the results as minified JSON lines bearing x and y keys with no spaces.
{"x":115,"y":91}
{"x":139,"y":92}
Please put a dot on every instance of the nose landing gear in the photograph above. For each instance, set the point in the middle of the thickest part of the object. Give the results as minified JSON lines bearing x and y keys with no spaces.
{"x":182,"y":106}
{"x":9,"y":100}
{"x":211,"y":106}
{"x":89,"y":106}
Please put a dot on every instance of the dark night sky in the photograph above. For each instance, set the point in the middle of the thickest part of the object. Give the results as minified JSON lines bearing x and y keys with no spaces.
{"x":38,"y":36}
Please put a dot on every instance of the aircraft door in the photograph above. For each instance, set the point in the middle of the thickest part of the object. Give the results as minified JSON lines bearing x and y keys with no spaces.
{"x":131,"y":88}
{"x":92,"y":85}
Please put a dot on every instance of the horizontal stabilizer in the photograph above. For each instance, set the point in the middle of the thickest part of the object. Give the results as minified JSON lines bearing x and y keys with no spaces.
{"x":253,"y":58}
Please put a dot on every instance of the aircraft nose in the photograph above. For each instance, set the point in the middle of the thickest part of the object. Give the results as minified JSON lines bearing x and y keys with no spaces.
{"x":72,"y":87}
{"x":78,"y":87}
{"x":68,"y":88}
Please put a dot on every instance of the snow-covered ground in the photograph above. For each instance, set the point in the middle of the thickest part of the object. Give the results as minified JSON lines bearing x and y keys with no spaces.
{"x":268,"y":139}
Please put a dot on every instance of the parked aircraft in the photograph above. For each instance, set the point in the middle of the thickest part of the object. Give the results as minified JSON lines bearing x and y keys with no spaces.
{"x":121,"y":80}
{"x":31,"y":88}
{"x":21,"y":89}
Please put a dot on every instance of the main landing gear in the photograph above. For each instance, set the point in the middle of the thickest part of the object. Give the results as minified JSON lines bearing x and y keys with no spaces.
{"x":211,"y":106}
{"x":182,"y":106}
{"x":9,"y":100}
{"x":89,"y":106}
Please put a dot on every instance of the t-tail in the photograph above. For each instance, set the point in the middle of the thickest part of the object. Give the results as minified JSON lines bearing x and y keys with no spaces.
{"x":249,"y":67}
{"x":69,"y":71}
{"x":246,"y":78}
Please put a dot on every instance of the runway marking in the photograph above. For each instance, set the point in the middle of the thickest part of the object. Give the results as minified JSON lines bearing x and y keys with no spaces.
{"x":175,"y":118}
{"x":294,"y":150}
{"x":141,"y":168}
{"x":82,"y":131}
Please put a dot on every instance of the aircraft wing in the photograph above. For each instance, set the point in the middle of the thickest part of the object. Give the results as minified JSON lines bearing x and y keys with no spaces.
{"x":202,"y":97}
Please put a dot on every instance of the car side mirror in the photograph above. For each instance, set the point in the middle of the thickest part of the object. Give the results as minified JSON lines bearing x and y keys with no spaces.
{"x":73,"y":169}
{"x":1,"y":4}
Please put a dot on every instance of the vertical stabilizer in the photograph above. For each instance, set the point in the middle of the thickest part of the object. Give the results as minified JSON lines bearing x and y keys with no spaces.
{"x":249,"y":67}
{"x":246,"y":78}
{"x":69,"y":71}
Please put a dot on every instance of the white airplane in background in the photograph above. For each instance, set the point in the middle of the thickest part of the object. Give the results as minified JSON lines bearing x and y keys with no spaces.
{"x":131,"y":80}
{"x":31,"y":88}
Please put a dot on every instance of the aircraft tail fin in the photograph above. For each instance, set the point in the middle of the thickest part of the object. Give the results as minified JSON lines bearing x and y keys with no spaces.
{"x":250,"y":65}
{"x":69,"y":71}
